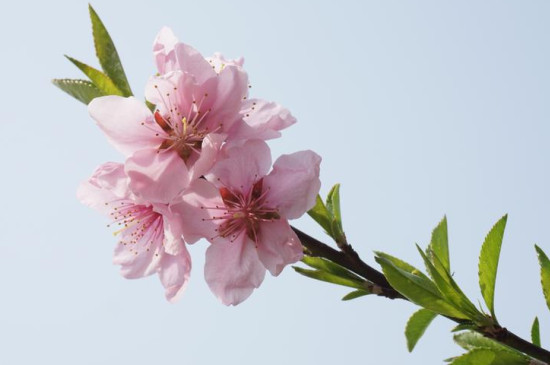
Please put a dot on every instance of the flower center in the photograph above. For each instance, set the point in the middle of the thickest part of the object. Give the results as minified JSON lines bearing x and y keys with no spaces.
{"x":184,"y":131}
{"x":243,"y":212}
{"x":141,"y":228}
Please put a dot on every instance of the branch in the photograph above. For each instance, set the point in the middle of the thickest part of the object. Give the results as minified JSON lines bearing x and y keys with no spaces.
{"x":349,"y":259}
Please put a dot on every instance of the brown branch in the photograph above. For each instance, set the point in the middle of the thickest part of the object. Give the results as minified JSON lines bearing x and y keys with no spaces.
{"x":349,"y":259}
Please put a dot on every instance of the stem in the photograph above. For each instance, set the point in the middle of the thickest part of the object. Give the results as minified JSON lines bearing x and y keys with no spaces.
{"x":349,"y":259}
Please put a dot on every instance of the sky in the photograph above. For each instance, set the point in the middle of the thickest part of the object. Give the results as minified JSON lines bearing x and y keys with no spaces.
{"x":419,"y":109}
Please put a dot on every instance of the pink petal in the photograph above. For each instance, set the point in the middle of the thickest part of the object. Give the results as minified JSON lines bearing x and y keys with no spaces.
{"x":137,"y":265}
{"x":278,"y":246}
{"x":210,"y":149}
{"x":174,"y":272}
{"x":163,"y":50}
{"x":233,"y":270}
{"x":171,"y":93}
{"x":173,"y":230}
{"x":294,"y":183}
{"x":157,"y":176}
{"x":192,"y":62}
{"x":242,"y":164}
{"x":126,"y":122}
{"x":107,"y":184}
{"x":197,"y":221}
{"x":218,"y":61}
{"x":261,"y":120}
{"x":232,"y":86}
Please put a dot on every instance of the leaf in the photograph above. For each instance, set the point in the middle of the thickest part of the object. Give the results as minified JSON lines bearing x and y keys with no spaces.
{"x":544,"y":274}
{"x":82,"y":90}
{"x":488,"y":262}
{"x":330,"y":278}
{"x":439,"y":243}
{"x":98,"y":78}
{"x":417,"y":290}
{"x":333,"y":203}
{"x":107,"y":54}
{"x":475,"y":357}
{"x":535,"y":332}
{"x":330,"y":267}
{"x":470,"y":340}
{"x":321,"y":215}
{"x":355,"y":294}
{"x":448,"y":287}
{"x":416,"y":326}
{"x":408,"y":268}
{"x":464,"y":326}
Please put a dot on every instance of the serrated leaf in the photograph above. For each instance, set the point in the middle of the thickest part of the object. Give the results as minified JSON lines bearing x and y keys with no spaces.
{"x":107,"y":54}
{"x":82,"y":90}
{"x":535,"y":332}
{"x":321,"y":215}
{"x":470,"y":340}
{"x":475,"y":357}
{"x":488,"y":262}
{"x":330,"y":278}
{"x":544,"y":274}
{"x":468,"y":326}
{"x":416,"y":326}
{"x":417,"y":290}
{"x":333,"y":203}
{"x":448,"y":287}
{"x":325,"y":265}
{"x":408,"y":268}
{"x":98,"y":78}
{"x":439,"y":243}
{"x":355,"y":294}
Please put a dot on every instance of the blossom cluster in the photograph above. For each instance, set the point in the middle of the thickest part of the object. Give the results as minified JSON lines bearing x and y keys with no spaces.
{"x":197,"y":167}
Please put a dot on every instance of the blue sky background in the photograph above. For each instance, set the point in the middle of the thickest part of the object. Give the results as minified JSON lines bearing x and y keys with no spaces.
{"x":419,"y":109}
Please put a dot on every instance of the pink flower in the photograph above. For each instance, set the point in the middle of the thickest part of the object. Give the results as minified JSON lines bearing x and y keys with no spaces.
{"x":150,"y":234}
{"x":245,"y":212}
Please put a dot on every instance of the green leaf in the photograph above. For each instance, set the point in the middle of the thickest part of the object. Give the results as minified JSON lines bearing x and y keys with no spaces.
{"x":475,"y":357}
{"x":448,"y":287}
{"x":98,"y":78}
{"x":333,"y":203}
{"x":417,"y":290}
{"x":107,"y":54}
{"x":535,"y":332}
{"x":330,"y":267}
{"x":484,"y":356}
{"x":470,"y":326}
{"x":408,"y":268}
{"x":330,"y":278}
{"x":355,"y":294}
{"x":470,"y":340}
{"x":82,"y":90}
{"x":544,"y":274}
{"x":416,"y":326}
{"x":321,"y":215}
{"x":439,"y":244}
{"x":488,"y":262}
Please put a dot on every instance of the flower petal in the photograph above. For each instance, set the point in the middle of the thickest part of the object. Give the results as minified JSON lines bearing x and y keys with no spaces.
{"x":174,"y":272}
{"x":278,"y":246}
{"x":242,"y":164}
{"x":107,"y":184}
{"x":157,"y":177}
{"x":197,"y":221}
{"x":294,"y":183}
{"x":232,"y":86}
{"x":137,"y":262}
{"x":261,"y":120}
{"x":163,"y":50}
{"x":192,"y":62}
{"x":233,"y":270}
{"x":210,"y":149}
{"x":126,"y":122}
